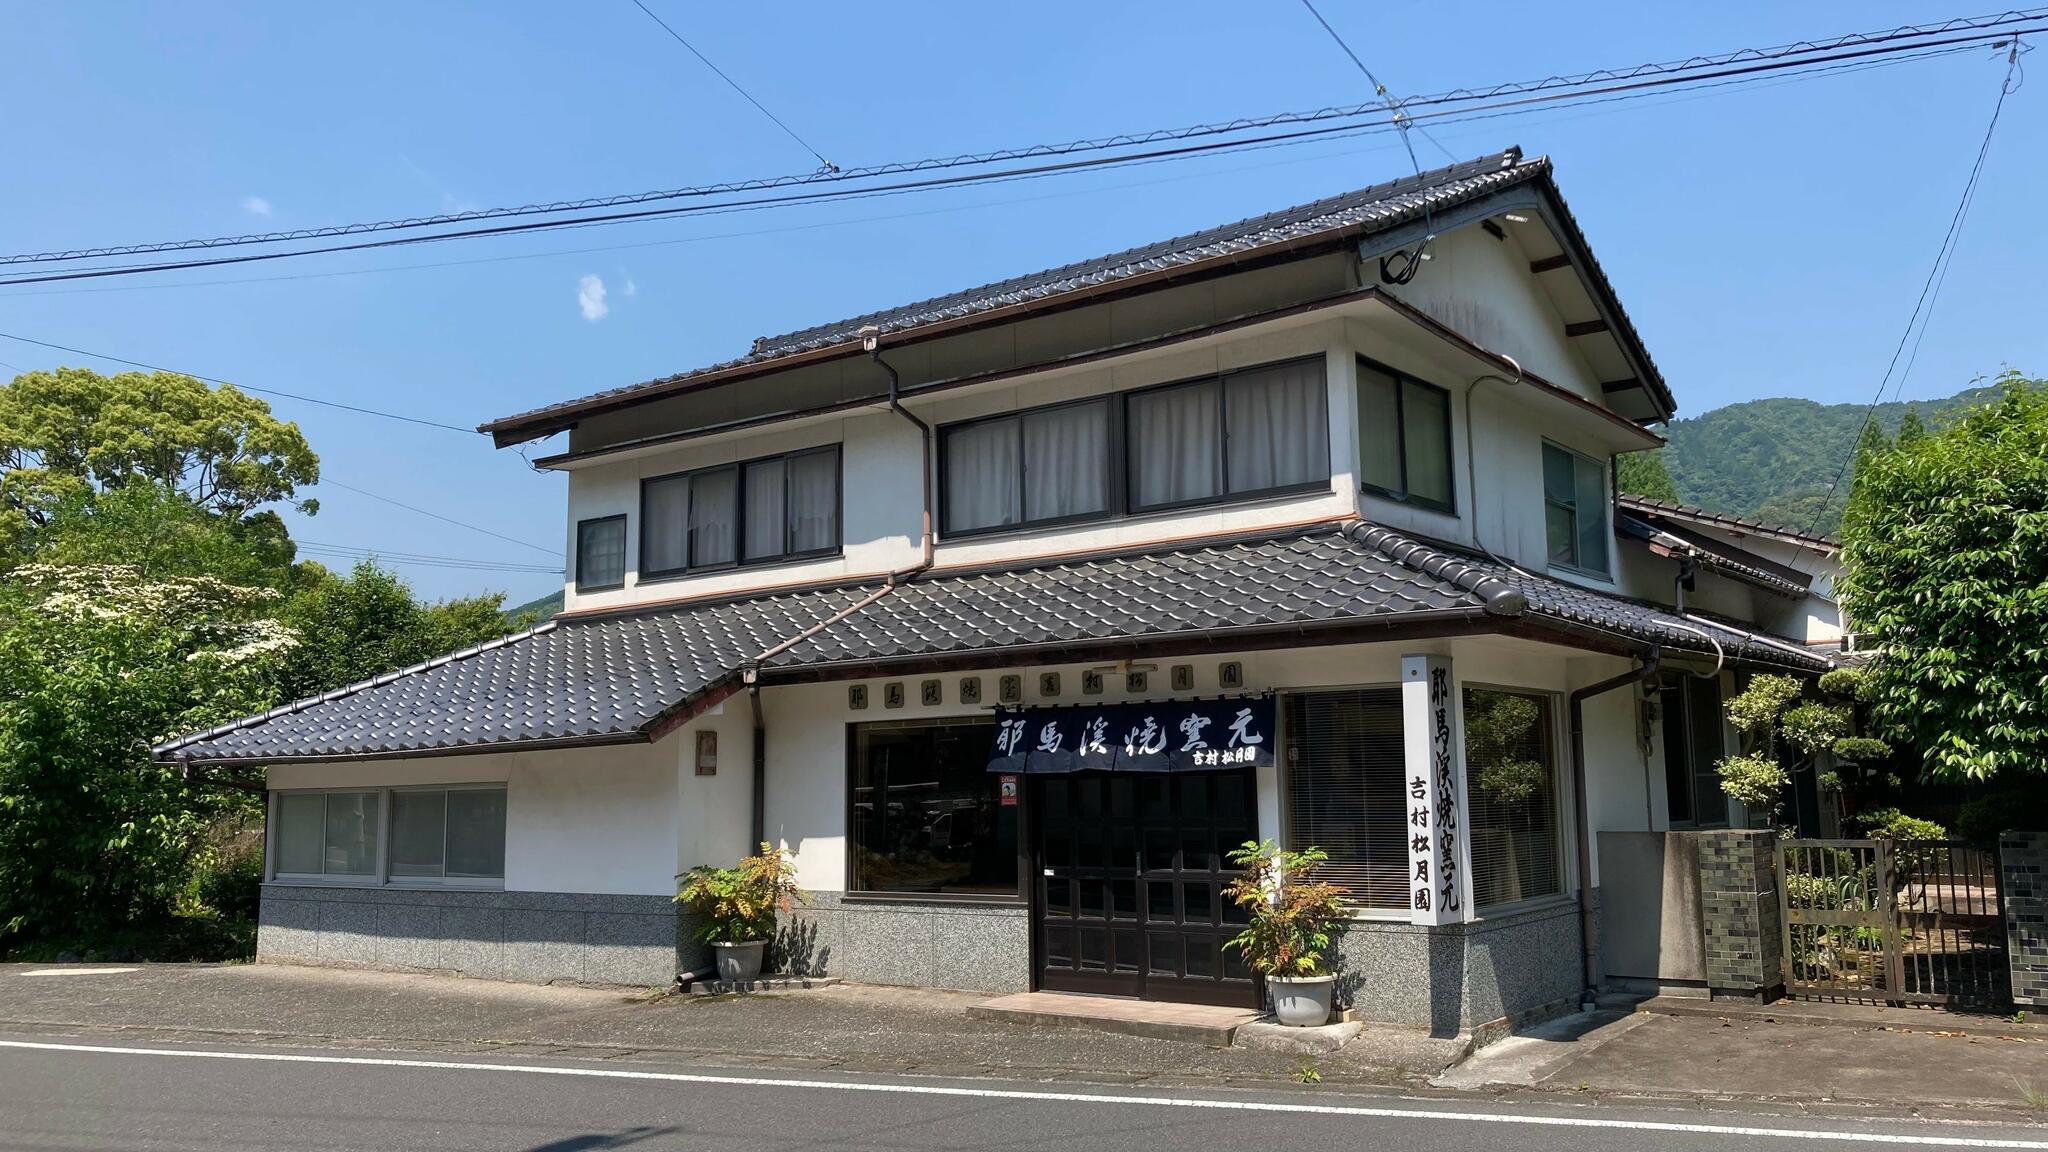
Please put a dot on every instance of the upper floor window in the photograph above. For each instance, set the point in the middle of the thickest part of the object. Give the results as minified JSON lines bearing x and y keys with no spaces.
{"x":1263,"y":430}
{"x":775,"y":508}
{"x":600,"y":553}
{"x":1404,"y":438}
{"x":1575,"y":509}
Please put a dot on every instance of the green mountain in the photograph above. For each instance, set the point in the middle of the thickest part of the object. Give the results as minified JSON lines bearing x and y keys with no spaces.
{"x":1774,"y":459}
{"x":546,"y":606}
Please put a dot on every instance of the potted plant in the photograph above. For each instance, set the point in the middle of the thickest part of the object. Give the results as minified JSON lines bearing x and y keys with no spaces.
{"x":738,"y":907}
{"x":1291,"y":916}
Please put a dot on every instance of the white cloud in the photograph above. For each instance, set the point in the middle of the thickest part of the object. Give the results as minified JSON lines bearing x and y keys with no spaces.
{"x":255,"y":205}
{"x":631,"y":289}
{"x":590,"y":298}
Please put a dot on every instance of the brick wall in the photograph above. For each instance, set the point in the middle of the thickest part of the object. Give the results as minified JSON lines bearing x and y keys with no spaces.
{"x":1739,"y":915}
{"x":2023,"y":873}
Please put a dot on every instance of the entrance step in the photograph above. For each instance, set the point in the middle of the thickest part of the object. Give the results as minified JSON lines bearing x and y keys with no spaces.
{"x":1195,"y":1023}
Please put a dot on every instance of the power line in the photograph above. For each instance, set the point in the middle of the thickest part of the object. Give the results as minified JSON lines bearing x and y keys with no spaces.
{"x":1930,"y":287}
{"x":824,"y":165}
{"x":438,"y":516}
{"x":242,"y":387}
{"x":1392,"y":105}
{"x":352,"y":551}
{"x":1785,"y":55}
{"x":1507,"y":107}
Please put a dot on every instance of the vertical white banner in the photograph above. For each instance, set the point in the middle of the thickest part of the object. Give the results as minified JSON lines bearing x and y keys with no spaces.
{"x":1433,"y":789}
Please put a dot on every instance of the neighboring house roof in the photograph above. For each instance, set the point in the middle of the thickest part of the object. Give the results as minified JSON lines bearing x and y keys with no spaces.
{"x":1725,"y":559}
{"x":1342,"y":218}
{"x":1729,"y":523}
{"x":628,"y":677}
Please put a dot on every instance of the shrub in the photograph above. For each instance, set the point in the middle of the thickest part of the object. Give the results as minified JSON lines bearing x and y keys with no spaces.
{"x":1847,"y":684}
{"x":741,"y":903}
{"x":1291,"y":911}
{"x":1860,"y":749}
{"x":1892,"y":824}
{"x":1758,"y":705}
{"x":1754,"y":781}
{"x":1813,"y":727}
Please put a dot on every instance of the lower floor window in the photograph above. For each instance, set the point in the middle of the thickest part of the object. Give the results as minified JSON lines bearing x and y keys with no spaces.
{"x":1345,"y":790}
{"x":927,"y":814}
{"x":1511,"y":791}
{"x":1691,"y":714}
{"x":455,"y":834}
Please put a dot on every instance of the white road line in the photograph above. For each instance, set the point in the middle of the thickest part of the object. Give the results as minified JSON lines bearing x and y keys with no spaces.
{"x":1055,"y":1097}
{"x":77,"y":971}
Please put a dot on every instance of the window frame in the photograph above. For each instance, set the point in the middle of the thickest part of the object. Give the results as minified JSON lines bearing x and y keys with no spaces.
{"x":1120,"y":499}
{"x":739,"y":468}
{"x":1562,"y":804}
{"x":585,"y":525}
{"x":1687,"y":735}
{"x":1113,"y":480}
{"x":1579,"y":459}
{"x":852,"y":895}
{"x":1353,"y":909}
{"x":379,"y":875}
{"x":1402,"y":380}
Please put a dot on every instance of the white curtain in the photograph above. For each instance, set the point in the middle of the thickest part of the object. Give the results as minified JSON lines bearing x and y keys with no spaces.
{"x":981,"y":476}
{"x":712,"y":506}
{"x":1066,"y":455}
{"x":813,"y":501}
{"x":1173,"y":445}
{"x":1425,"y":430}
{"x":764,"y":510}
{"x":664,"y":518}
{"x":1279,"y":426}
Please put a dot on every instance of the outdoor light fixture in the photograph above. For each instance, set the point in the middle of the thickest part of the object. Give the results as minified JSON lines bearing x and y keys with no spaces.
{"x":1515,"y":218}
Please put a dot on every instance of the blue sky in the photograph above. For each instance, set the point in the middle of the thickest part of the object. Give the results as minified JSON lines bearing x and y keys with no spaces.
{"x":1767,"y":240}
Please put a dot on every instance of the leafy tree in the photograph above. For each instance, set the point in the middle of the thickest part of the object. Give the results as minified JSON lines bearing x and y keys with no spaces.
{"x":1644,"y":474}
{"x":1947,"y":573}
{"x":70,"y":430}
{"x":97,"y":661}
{"x":368,"y":623}
{"x":1783,"y":729}
{"x":163,"y":534}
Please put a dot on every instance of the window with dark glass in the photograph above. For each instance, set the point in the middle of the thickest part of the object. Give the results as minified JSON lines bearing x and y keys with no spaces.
{"x":760,"y":511}
{"x":1575,"y":509}
{"x":927,"y":814}
{"x":600,"y":553}
{"x":1404,"y":438}
{"x":1041,"y":466}
{"x":1511,"y":791}
{"x":1690,"y":710}
{"x":1260,"y":430}
{"x":1345,"y":762}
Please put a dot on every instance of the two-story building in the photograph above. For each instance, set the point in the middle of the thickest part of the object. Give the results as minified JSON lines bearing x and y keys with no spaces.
{"x":1010,"y":612}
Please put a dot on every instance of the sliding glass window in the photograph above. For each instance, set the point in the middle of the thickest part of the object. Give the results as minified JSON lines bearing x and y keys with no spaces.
{"x":777,"y":508}
{"x":1404,"y":438}
{"x":1245,"y":434}
{"x":1044,"y":466}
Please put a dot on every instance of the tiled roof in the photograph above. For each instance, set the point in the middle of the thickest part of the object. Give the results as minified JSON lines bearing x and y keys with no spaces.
{"x":1677,"y":511}
{"x":1725,"y":560}
{"x":1362,"y":212}
{"x":614,"y":678}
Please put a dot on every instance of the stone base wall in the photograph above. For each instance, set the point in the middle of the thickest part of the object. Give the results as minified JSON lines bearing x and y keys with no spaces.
{"x":923,"y":944}
{"x":1504,"y":971}
{"x":2023,"y":875}
{"x":528,"y":936}
{"x":1739,"y":915}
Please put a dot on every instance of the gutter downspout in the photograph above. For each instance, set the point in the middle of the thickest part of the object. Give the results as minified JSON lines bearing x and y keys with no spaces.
{"x":750,"y":672}
{"x":1588,"y":943}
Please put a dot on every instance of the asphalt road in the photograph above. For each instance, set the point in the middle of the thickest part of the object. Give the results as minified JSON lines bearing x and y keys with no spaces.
{"x":62,"y":1093}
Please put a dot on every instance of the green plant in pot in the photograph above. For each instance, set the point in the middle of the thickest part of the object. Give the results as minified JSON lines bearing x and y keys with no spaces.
{"x":738,"y":907}
{"x":1292,"y":915}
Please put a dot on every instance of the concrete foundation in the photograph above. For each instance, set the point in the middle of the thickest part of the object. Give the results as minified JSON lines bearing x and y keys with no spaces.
{"x":1504,"y":971}
{"x":921,"y":943}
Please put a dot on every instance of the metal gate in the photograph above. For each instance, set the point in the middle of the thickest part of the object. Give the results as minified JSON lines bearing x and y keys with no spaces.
{"x":1892,"y":921}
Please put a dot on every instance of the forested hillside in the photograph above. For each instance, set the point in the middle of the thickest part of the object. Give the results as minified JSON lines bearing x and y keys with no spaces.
{"x":1774,"y":459}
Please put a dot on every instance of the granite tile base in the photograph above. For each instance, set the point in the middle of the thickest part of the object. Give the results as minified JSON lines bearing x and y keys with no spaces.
{"x":535,"y":937}
{"x":922,"y":944}
{"x":1497,"y":973}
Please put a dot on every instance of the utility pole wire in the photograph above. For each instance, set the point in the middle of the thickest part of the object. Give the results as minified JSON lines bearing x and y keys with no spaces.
{"x":824,"y":165}
{"x":1988,"y":27}
{"x":1929,"y":287}
{"x":443,"y":519}
{"x":242,"y":387}
{"x":1392,"y":104}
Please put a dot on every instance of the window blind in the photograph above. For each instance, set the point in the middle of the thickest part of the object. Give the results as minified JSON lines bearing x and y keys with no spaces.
{"x":1344,"y":790}
{"x":1511,"y":797}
